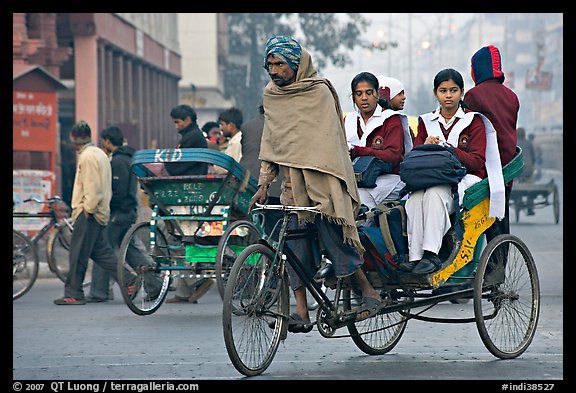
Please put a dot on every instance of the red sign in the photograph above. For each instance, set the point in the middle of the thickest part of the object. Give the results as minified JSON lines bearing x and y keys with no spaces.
{"x":34,"y":117}
{"x":538,"y":80}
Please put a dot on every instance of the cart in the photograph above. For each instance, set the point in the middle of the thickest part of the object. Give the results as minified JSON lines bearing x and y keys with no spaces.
{"x":527,"y":196}
{"x":190,"y":214}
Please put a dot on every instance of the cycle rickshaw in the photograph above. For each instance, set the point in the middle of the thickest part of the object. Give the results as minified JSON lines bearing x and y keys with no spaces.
{"x":199,"y":225}
{"x":504,"y":287}
{"x":529,"y":195}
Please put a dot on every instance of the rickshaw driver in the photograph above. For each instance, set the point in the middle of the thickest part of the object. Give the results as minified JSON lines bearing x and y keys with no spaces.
{"x":313,"y":157}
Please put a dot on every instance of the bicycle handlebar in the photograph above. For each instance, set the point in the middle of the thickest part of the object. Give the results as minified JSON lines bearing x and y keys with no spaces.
{"x":313,"y":209}
{"x":53,"y":199}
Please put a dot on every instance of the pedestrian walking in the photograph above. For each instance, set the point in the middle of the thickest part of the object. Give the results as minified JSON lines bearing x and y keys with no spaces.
{"x":91,"y":197}
{"x":123,"y":213}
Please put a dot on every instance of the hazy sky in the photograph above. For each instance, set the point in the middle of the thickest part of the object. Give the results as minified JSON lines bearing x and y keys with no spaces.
{"x":390,"y":27}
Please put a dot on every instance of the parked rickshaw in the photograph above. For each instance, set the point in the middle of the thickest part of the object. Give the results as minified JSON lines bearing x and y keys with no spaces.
{"x":199,"y":224}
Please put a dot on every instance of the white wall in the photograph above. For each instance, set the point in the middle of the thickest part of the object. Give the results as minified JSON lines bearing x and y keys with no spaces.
{"x":198,"y":47}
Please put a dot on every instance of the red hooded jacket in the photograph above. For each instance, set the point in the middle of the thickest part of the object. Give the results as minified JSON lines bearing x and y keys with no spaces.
{"x":494,"y":100}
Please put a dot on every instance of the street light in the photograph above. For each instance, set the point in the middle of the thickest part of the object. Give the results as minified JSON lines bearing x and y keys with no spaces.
{"x":383,"y":45}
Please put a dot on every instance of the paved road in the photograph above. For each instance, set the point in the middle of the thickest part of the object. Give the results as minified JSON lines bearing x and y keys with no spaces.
{"x":184,"y":341}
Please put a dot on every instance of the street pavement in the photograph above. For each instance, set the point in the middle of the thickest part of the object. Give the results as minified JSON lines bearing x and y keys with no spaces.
{"x":106,"y":341}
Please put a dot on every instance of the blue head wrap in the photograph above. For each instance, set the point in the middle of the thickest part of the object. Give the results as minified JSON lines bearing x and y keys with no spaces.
{"x":285,"y":47}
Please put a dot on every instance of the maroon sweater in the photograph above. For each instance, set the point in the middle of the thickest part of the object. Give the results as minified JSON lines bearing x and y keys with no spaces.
{"x":500,"y":105}
{"x":385,"y":142}
{"x":471,"y":149}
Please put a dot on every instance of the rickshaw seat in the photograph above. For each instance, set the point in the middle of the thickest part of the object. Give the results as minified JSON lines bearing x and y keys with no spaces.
{"x":481,"y":190}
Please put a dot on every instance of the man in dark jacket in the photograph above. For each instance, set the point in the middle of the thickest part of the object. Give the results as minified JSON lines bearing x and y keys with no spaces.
{"x":500,"y":105}
{"x":123,"y":207}
{"x":185,"y":121}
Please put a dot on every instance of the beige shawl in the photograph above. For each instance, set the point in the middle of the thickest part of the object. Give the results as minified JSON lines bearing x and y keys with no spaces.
{"x":304,"y":130}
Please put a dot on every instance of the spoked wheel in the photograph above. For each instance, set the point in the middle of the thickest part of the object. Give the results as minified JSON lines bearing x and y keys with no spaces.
{"x":239,"y":235}
{"x":556,"y":199}
{"x":376,"y":335}
{"x":25,"y":264}
{"x":144,"y":249}
{"x":57,"y":253}
{"x":255,"y":311}
{"x":506,"y":297}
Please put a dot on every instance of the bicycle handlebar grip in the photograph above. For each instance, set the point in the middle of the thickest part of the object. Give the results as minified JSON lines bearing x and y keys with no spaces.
{"x":55,"y":198}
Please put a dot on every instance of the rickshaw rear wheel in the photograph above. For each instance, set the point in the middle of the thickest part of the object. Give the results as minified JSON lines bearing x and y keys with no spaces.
{"x":376,"y":335}
{"x":506,"y":297}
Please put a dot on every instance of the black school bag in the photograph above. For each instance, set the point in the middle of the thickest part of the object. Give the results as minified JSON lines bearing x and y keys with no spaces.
{"x":368,"y":168}
{"x":431,"y":165}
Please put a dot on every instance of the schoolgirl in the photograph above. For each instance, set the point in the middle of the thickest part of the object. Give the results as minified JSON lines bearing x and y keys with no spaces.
{"x":474,"y":141}
{"x":373,"y":130}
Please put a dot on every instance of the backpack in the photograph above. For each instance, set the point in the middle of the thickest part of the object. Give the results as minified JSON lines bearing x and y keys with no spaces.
{"x":386,"y":243}
{"x":431,"y":165}
{"x":367,"y":169}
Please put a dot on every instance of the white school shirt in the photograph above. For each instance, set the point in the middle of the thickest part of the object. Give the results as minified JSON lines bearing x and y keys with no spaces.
{"x":388,"y":182}
{"x":233,"y":149}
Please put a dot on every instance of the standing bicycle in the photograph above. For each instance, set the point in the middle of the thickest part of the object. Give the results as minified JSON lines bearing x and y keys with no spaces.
{"x":26,"y":260}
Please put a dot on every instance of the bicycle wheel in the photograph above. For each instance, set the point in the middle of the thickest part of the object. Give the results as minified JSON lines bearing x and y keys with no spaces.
{"x":506,"y":297}
{"x":25,"y":264}
{"x":57,"y":251}
{"x":255,"y":311}
{"x":143,"y":251}
{"x":376,"y":335}
{"x":239,"y":235}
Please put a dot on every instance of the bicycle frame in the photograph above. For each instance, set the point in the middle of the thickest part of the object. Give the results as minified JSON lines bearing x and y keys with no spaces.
{"x":329,"y":306}
{"x":46,"y":228}
{"x":283,"y":254}
{"x":55,"y":226}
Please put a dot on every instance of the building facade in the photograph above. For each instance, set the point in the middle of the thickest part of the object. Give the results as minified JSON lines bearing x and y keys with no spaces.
{"x":119,"y":69}
{"x":203,"y":44}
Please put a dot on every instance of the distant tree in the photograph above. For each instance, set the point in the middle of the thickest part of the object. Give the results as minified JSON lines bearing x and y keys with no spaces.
{"x":329,"y":37}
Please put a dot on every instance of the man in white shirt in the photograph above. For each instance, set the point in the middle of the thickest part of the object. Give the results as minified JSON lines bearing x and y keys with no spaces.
{"x":230,"y":122}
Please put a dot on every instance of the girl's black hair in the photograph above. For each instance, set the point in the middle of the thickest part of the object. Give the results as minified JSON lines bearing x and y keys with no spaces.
{"x":450,"y":74}
{"x":369,"y":77}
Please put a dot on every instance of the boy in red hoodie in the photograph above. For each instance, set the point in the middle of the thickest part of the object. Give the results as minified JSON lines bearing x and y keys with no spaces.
{"x":500,"y":105}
